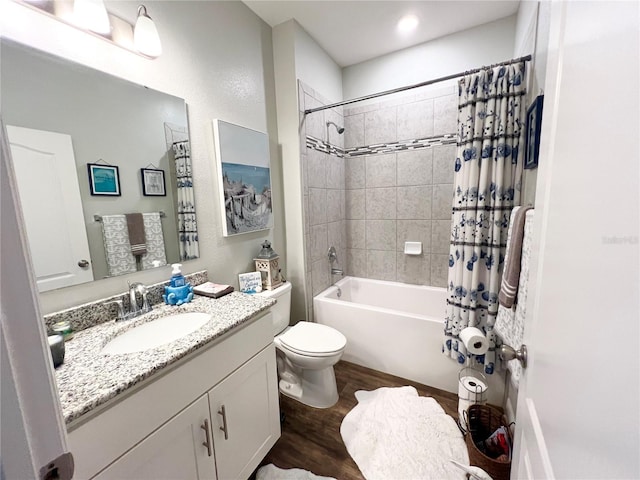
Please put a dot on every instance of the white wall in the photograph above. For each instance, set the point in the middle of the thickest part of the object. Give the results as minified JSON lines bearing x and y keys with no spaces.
{"x":289,"y":140}
{"x":472,"y":48}
{"x":298,"y":56}
{"x":218,"y":56}
{"x":316,"y":68}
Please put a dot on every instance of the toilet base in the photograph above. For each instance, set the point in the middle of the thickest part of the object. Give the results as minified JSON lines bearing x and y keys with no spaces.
{"x":315,"y":388}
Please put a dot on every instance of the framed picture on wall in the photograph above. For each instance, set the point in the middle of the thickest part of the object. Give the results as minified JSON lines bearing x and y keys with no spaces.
{"x":532,"y":137}
{"x":104,"y":179}
{"x":153,"y":184}
{"x":244,"y":178}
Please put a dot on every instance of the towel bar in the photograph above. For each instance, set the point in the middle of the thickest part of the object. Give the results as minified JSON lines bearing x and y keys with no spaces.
{"x":98,"y":218}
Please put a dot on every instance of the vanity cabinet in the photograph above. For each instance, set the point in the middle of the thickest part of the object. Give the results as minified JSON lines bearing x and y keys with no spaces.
{"x":175,"y":450}
{"x":215,"y":415}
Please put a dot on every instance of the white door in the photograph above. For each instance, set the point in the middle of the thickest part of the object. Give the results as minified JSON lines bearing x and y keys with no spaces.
{"x":45,"y":169}
{"x":577,"y":413}
{"x":33,"y":433}
{"x":176,"y":450}
{"x":245,"y":416}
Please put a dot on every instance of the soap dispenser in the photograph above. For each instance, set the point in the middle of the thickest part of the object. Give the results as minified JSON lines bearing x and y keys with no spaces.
{"x":177,"y":279}
{"x":178,"y":291}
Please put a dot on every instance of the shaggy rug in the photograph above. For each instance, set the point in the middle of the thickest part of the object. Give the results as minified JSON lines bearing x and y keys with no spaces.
{"x":271,"y":472}
{"x":395,"y":433}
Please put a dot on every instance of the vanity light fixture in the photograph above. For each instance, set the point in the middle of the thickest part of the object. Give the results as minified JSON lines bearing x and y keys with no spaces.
{"x":92,"y":15}
{"x":145,"y":34}
{"x":408,"y":24}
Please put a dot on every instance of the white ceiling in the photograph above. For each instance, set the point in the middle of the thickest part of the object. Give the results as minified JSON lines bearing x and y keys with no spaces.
{"x":354,"y":31}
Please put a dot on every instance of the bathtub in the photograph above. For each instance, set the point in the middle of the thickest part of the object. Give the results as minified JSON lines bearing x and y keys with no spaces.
{"x":395,"y":328}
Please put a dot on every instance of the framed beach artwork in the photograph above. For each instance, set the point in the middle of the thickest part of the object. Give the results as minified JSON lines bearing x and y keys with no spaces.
{"x":244,"y":178}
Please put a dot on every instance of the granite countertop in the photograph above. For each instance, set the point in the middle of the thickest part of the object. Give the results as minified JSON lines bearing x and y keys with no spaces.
{"x":88,"y":378}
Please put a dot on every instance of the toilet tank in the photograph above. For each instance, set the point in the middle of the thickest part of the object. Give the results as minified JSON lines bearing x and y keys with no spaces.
{"x":281,"y":311}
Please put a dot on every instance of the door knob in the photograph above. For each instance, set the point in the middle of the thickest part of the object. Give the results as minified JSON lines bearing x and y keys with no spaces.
{"x":509,"y":353}
{"x":83,"y":263}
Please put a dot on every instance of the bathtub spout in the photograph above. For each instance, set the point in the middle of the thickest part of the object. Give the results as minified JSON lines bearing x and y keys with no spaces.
{"x":337,"y":271}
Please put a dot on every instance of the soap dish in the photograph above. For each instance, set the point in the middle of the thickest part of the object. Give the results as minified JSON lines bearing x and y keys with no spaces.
{"x":412,"y":248}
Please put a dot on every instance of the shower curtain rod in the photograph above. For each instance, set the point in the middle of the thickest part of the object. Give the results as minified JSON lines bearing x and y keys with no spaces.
{"x":526,"y":58}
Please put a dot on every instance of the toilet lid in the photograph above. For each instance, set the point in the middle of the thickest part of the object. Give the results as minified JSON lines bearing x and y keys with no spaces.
{"x":313,"y":338}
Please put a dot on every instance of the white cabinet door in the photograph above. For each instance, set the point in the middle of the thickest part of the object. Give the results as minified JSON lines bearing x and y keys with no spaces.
{"x":45,"y":170}
{"x":174,"y":451}
{"x":245,"y":416}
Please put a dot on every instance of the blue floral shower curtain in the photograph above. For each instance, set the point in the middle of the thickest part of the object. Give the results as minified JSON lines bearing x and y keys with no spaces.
{"x":487,"y":180}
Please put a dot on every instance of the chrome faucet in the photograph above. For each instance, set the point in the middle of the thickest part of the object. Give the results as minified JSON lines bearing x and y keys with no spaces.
{"x":333,"y":257}
{"x":134,"y":309}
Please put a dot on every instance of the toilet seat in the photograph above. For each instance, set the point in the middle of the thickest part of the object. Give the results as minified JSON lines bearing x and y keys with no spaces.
{"x":313,"y":340}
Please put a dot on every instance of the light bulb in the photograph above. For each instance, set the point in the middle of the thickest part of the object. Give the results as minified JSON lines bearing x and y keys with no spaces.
{"x":92,"y":15}
{"x":145,"y":34}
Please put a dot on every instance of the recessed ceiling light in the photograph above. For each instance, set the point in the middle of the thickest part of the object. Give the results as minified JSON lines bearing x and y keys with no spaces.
{"x":408,"y":23}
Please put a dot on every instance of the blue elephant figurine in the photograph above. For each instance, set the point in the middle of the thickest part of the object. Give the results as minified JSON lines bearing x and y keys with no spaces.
{"x":178,"y":295}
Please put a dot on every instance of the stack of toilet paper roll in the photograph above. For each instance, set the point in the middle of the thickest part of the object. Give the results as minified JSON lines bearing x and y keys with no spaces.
{"x":472,"y":384}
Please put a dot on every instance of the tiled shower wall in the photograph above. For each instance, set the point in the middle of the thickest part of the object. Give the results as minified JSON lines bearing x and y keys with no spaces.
{"x":403,"y":191}
{"x":387,"y":180}
{"x":323,"y":181}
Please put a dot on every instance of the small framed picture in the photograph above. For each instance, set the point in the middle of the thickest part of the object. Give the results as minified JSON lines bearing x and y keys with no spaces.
{"x":532,"y":137}
{"x":153,"y":182}
{"x":250,"y":282}
{"x":104,"y":179}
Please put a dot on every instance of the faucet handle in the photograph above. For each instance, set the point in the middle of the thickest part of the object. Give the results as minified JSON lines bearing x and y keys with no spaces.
{"x":121,"y":315}
{"x":145,"y":301}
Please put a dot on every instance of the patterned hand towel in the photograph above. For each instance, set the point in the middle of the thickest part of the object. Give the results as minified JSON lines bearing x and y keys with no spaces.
{"x":135,"y":226}
{"x":116,"y":245}
{"x":511,"y":272}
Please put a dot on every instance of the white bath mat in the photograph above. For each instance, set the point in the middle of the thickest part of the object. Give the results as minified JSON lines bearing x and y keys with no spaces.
{"x":271,"y":472}
{"x":394,"y":433}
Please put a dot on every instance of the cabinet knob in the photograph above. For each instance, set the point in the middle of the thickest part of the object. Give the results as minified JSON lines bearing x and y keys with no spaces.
{"x":223,"y":412}
{"x":207,"y":442}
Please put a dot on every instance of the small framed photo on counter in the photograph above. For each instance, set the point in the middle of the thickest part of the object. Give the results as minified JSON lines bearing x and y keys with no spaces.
{"x":250,"y":282}
{"x":104,"y":179}
{"x":153,"y":184}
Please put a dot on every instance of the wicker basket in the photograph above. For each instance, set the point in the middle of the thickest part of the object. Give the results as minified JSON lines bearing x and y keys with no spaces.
{"x":483,"y":420}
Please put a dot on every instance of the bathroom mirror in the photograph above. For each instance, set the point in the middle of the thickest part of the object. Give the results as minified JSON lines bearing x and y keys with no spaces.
{"x":85,"y":141}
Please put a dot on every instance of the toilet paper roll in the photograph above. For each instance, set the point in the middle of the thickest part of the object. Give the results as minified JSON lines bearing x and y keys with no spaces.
{"x":474,"y":341}
{"x":472,"y":388}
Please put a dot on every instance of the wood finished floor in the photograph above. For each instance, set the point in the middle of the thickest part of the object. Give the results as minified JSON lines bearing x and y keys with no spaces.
{"x":311,"y":437}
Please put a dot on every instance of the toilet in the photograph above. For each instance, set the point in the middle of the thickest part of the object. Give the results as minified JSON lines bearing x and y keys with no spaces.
{"x":306,"y":353}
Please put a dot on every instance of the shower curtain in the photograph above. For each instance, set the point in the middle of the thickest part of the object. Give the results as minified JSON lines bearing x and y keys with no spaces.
{"x":187,"y":228}
{"x":487,"y":181}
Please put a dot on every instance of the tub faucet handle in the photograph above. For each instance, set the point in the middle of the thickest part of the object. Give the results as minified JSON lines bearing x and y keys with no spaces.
{"x":333,"y":255}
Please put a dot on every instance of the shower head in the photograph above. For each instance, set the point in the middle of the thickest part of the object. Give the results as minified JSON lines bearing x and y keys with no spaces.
{"x":338,"y":128}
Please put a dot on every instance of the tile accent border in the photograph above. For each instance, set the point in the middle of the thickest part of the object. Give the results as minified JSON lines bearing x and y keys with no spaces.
{"x":94,"y":313}
{"x":381,"y":148}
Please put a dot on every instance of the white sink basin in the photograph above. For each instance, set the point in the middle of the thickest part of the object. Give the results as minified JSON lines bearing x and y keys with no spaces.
{"x":156,"y":332}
